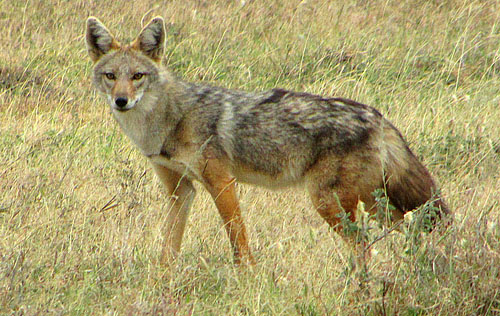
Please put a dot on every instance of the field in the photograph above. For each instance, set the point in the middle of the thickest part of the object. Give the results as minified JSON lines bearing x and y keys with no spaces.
{"x":81,"y":210}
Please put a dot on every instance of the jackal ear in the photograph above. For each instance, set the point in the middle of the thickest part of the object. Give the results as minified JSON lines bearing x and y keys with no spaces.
{"x":99,"y":39}
{"x":151,"y":40}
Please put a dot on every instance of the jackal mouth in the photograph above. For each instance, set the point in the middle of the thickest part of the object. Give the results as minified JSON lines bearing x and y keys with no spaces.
{"x":124,"y":109}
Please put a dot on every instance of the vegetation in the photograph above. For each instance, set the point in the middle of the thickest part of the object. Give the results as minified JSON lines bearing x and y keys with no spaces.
{"x":81,"y":211}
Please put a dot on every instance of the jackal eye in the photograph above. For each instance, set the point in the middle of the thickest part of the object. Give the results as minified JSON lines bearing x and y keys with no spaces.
{"x":110,"y":76}
{"x":137,"y":76}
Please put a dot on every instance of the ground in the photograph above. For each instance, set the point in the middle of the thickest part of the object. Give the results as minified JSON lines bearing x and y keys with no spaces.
{"x":81,"y":211}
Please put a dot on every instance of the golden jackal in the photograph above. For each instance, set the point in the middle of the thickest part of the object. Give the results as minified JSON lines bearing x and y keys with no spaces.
{"x":341,"y":150}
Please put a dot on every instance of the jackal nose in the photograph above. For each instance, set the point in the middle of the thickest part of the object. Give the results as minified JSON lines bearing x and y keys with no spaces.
{"x":121,"y":102}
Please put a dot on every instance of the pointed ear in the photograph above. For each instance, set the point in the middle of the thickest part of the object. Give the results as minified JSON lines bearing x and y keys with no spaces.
{"x":151,"y":40}
{"x":99,"y":39}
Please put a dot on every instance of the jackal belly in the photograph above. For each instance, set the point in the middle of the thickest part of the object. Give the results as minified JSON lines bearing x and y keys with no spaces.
{"x":269,"y":173}
{"x":281,"y":180}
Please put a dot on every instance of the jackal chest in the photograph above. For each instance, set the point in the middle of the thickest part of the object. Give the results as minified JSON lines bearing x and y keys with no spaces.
{"x":148,"y":136}
{"x":181,"y":166}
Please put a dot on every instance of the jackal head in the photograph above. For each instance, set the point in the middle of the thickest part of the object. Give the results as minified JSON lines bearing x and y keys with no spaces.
{"x":125,"y":72}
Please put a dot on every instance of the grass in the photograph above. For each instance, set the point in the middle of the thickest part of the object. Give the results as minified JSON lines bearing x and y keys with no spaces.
{"x":80,"y":210}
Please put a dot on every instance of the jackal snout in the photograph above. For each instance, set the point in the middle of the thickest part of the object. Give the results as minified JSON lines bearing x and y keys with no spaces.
{"x":121,"y":103}
{"x":124,"y":94}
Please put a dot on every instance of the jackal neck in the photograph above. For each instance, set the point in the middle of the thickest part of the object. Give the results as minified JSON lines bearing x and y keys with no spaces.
{"x":154,"y":118}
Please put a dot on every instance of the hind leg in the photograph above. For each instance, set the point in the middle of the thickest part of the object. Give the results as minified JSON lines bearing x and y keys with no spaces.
{"x":331,"y":203}
{"x":337,"y":186}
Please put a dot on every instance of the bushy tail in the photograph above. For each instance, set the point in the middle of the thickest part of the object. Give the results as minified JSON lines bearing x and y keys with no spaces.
{"x":410,"y":185}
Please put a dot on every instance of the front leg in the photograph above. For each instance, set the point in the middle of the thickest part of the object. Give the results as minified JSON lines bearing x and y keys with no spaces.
{"x":221,"y":185}
{"x":181,"y":192}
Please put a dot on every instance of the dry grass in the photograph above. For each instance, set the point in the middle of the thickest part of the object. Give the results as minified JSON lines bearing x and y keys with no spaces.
{"x":80,"y":211}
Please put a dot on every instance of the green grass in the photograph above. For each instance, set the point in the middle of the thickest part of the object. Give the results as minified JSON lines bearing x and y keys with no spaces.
{"x":81,"y":211}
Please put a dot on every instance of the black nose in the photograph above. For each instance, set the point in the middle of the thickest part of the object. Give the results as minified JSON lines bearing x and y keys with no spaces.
{"x":121,"y":102}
